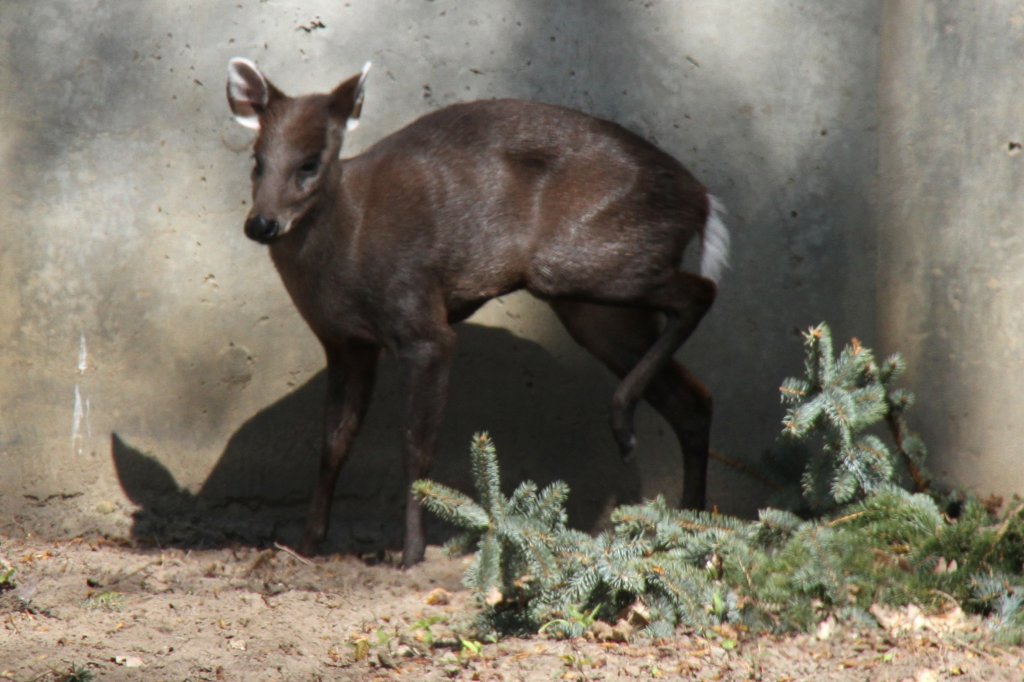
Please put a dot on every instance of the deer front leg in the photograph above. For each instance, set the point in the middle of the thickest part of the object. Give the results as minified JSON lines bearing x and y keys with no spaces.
{"x":350,"y":377}
{"x":425,"y":367}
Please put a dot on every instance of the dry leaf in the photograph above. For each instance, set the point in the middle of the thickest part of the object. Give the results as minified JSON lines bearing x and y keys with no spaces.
{"x":494,"y":597}
{"x":605,"y":632}
{"x":438,"y":597}
{"x":636,"y":614}
{"x":128,"y":661}
{"x":361,"y":648}
{"x":912,"y":619}
{"x":826,"y":628}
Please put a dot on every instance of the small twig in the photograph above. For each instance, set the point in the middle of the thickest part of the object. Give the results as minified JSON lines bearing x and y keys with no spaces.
{"x":116,"y":582}
{"x":974,"y":649}
{"x":947,"y":596}
{"x":1003,"y":527}
{"x":845,"y":519}
{"x":292,"y":552}
{"x":897,"y":429}
{"x":744,"y":469}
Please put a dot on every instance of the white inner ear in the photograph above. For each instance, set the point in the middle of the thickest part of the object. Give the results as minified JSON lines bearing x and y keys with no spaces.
{"x":246,"y":95}
{"x":251,"y":122}
{"x":357,"y":104}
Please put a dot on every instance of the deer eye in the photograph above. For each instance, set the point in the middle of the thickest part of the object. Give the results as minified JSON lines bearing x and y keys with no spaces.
{"x":309,"y":168}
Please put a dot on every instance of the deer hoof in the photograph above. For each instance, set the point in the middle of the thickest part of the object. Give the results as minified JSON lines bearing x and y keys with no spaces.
{"x":308,"y":544}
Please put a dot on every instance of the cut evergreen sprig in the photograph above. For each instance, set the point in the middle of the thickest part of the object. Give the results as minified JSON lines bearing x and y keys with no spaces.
{"x":839,"y":399}
{"x":515,"y":573}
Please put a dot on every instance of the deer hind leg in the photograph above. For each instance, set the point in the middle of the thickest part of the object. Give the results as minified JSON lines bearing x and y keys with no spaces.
{"x":623,"y":339}
{"x":684,"y":299}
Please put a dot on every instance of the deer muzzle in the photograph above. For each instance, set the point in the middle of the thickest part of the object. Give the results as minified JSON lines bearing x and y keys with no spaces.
{"x":261,"y":229}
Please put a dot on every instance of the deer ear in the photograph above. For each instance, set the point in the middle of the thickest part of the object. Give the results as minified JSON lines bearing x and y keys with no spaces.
{"x":249,"y":92}
{"x":346,"y":103}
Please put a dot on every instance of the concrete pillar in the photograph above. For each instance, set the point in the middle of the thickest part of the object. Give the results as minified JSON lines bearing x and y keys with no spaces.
{"x":951,"y":242}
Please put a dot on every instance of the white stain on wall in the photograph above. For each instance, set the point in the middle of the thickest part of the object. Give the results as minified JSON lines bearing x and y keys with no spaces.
{"x":81,"y":426}
{"x":83,"y":355}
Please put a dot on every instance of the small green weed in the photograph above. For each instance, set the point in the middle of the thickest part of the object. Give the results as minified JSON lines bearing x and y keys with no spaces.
{"x":76,"y":674}
{"x":575,"y":624}
{"x":423,"y":629}
{"x":106,"y":601}
{"x":7,"y":579}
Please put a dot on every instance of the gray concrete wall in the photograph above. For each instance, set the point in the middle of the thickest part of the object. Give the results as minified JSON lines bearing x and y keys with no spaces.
{"x":149,"y":350}
{"x":951,"y":256}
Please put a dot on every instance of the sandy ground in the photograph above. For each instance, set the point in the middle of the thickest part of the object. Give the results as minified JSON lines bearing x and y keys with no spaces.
{"x":105,"y":606}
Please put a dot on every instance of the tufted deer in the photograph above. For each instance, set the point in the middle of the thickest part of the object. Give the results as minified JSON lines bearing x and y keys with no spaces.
{"x":390,"y":248}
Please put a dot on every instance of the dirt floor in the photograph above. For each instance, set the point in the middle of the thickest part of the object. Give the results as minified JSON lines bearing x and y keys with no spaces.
{"x":106,"y":609}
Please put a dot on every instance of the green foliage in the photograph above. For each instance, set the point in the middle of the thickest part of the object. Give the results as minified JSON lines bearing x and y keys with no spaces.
{"x":7,"y":578}
{"x":425,"y":626}
{"x":532,"y":572}
{"x":839,"y":399}
{"x":516,"y":573}
{"x":106,"y":601}
{"x":666,"y":567}
{"x":76,"y":674}
{"x":663,"y":567}
{"x":7,"y":572}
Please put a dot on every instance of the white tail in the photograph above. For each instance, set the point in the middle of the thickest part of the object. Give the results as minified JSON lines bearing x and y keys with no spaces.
{"x":714,"y":258}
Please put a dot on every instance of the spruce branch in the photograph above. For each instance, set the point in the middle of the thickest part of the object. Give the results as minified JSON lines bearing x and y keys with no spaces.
{"x":838,"y":399}
{"x":451,"y":505}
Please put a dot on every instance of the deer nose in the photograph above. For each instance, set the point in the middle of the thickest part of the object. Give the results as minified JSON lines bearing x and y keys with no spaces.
{"x":261,"y":229}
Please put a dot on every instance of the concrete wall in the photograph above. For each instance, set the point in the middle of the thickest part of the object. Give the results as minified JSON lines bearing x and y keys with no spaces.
{"x":951,"y":233}
{"x":150,"y":352}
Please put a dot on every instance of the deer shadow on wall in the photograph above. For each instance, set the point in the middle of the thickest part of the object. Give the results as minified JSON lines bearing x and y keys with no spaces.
{"x":548,"y":418}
